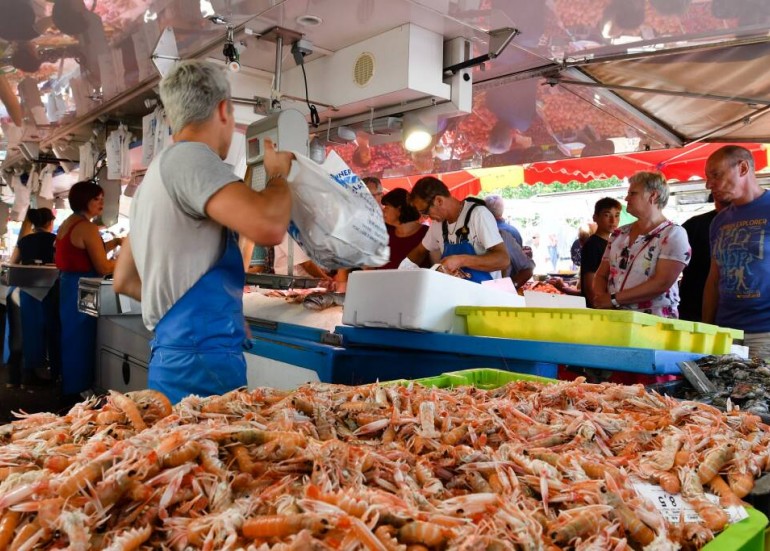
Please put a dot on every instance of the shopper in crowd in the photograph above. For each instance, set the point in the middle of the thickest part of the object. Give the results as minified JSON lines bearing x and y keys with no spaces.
{"x":496,"y":206}
{"x":606,"y":217}
{"x":405,"y":231}
{"x":38,"y":309}
{"x":37,"y":246}
{"x":695,"y":274}
{"x":553,"y":250}
{"x":80,"y":252}
{"x":521,"y":266}
{"x":584,"y":232}
{"x":738,"y":285}
{"x":643,"y":260}
{"x":374,"y":185}
{"x":464,"y":237}
{"x":182,"y":257}
{"x":302,"y":266}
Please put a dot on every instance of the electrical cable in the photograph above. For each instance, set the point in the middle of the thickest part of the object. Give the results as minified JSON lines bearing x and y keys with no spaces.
{"x":315,"y":120}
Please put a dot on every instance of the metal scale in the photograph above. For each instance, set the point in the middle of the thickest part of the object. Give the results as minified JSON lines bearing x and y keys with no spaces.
{"x":289,"y":132}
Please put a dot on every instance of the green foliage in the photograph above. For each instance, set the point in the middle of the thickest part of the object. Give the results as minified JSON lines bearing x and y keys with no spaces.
{"x":526,"y":191}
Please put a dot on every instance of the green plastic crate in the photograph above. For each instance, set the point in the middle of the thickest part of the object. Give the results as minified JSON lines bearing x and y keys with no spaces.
{"x":599,"y":327}
{"x":483,"y":378}
{"x":747,"y":535}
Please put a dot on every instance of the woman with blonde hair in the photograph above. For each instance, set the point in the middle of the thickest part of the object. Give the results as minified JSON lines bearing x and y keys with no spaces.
{"x":643,"y":260}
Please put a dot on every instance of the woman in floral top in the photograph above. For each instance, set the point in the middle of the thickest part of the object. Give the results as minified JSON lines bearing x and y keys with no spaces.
{"x":643,"y":260}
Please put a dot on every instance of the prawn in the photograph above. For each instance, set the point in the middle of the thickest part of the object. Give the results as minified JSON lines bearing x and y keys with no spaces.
{"x":424,"y":533}
{"x":575,"y":523}
{"x":277,"y":526}
{"x":714,"y":461}
{"x":83,"y":477}
{"x":128,"y":406}
{"x":637,"y":530}
{"x":130,"y":539}
{"x":8,"y":524}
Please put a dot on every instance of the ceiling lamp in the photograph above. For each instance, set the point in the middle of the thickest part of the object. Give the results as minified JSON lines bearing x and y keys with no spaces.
{"x":415,"y":134}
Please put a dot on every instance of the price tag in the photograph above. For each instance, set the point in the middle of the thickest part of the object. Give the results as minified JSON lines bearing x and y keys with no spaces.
{"x":672,"y":506}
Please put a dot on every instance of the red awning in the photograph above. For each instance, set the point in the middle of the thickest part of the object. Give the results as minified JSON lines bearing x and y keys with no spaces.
{"x":461,"y":184}
{"x":680,"y":164}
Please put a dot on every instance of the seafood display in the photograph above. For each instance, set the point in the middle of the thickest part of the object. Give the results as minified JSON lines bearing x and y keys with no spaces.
{"x":744,"y":383}
{"x":378,"y":467}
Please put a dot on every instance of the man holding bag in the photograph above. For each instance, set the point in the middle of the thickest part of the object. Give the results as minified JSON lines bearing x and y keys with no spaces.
{"x":182,"y":258}
{"x":464,"y":237}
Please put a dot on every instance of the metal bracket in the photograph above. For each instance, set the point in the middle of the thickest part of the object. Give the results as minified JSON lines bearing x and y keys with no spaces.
{"x":261,"y":104}
{"x":166,"y":53}
{"x":332,"y":339}
{"x":498,"y":41}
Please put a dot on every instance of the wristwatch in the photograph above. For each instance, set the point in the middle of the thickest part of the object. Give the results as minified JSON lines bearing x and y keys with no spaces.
{"x":614,"y":301}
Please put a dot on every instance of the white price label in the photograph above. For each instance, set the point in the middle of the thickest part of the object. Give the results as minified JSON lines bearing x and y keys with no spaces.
{"x":672,"y":506}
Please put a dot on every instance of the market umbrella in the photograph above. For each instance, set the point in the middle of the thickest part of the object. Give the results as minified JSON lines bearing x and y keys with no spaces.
{"x":681,"y":164}
{"x":461,"y":184}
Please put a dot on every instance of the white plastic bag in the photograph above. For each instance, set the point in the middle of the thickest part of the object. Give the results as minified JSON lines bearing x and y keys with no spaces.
{"x":334,"y":218}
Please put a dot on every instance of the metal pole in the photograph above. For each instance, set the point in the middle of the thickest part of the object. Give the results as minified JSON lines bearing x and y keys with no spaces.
{"x":278,"y":60}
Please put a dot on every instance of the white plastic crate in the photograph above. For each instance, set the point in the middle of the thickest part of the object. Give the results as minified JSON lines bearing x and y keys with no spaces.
{"x":422,"y":300}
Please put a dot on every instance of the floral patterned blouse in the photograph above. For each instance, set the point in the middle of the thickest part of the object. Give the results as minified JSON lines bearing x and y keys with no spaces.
{"x":632,"y":264}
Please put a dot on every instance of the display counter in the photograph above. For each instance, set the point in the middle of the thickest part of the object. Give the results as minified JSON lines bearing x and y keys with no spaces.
{"x":292,"y":345}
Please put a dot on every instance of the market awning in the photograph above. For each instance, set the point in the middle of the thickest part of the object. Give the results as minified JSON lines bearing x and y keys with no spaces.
{"x":461,"y":184}
{"x":680,"y":164}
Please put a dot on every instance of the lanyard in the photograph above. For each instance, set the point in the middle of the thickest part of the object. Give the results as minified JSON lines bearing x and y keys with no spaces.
{"x":631,"y":261}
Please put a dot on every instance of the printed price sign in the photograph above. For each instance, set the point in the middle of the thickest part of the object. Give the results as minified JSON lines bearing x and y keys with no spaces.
{"x":672,"y":506}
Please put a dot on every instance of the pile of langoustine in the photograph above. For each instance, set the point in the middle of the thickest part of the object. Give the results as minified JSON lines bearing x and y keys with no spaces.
{"x":376,"y":467}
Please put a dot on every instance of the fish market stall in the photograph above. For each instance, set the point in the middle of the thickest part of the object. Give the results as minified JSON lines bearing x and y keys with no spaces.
{"x":480,"y":457}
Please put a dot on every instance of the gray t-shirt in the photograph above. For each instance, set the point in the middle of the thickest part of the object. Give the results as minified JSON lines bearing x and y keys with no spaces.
{"x":173,"y":242}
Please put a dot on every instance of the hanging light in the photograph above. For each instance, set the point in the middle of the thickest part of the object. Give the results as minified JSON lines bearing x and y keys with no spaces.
{"x":414,"y":134}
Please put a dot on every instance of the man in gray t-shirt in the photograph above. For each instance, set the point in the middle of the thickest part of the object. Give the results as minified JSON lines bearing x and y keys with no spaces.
{"x":182,"y":258}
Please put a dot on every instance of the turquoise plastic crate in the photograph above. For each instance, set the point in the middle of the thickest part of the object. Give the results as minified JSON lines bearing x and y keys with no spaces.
{"x":747,"y":535}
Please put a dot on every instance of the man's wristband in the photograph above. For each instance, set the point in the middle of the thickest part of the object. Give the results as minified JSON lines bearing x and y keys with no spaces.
{"x":614,"y":301}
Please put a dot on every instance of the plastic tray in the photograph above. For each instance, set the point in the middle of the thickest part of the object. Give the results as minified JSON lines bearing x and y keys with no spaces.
{"x":483,"y":378}
{"x":747,"y":535}
{"x":599,"y":327}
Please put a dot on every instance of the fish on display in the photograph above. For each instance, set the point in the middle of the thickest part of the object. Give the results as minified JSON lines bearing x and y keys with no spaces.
{"x":744,"y":382}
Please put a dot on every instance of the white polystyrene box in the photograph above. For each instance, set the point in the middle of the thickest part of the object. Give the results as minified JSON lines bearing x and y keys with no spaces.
{"x":423,"y":300}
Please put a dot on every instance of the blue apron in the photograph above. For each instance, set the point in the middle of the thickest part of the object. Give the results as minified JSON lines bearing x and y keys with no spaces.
{"x":463,"y":246}
{"x":78,"y":336}
{"x":40,"y":320}
{"x":198,"y":345}
{"x":12,"y":339}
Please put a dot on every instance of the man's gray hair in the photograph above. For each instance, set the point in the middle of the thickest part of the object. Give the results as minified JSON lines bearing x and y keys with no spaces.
{"x":652,"y":182}
{"x":191,"y":92}
{"x":495,"y":204}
